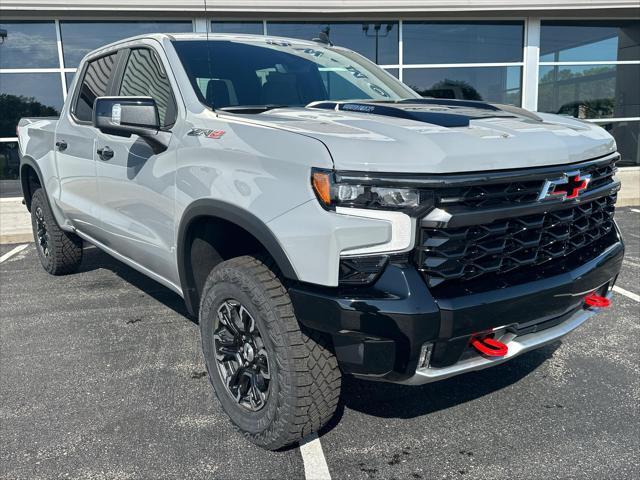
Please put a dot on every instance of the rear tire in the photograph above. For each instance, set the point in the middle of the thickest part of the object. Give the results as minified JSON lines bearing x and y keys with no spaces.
{"x":276,"y":380}
{"x":60,"y":252}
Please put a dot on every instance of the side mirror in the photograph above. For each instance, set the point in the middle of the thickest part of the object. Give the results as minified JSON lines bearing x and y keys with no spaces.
{"x":124,"y":116}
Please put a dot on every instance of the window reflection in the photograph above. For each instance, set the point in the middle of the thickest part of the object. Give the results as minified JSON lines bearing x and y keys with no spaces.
{"x":590,"y":91}
{"x":588,"y":41}
{"x":253,"y":28}
{"x":9,"y":168}
{"x":462,"y":42}
{"x":626,"y":135}
{"x":28,"y":95}
{"x":80,"y":37}
{"x":491,"y":84}
{"x":29,"y":45}
{"x":378,"y":41}
{"x":69,"y":76}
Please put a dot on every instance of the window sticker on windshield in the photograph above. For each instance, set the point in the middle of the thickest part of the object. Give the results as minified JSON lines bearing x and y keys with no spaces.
{"x":355,"y":72}
{"x":378,"y":90}
{"x":116,"y":114}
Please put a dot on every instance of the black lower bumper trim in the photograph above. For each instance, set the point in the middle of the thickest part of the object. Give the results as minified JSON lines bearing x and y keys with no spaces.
{"x":378,"y":331}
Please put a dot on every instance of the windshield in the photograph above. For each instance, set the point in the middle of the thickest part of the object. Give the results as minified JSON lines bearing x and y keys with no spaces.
{"x":232,"y":74}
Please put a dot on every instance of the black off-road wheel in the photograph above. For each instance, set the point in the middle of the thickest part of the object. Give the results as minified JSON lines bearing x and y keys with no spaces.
{"x":276,"y":380}
{"x":60,"y":252}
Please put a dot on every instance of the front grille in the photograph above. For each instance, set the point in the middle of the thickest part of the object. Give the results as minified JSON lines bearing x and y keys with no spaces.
{"x":512,"y":244}
{"x":514,"y":192}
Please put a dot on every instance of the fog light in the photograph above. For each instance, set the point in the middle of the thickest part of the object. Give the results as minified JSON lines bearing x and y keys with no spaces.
{"x":425,"y":355}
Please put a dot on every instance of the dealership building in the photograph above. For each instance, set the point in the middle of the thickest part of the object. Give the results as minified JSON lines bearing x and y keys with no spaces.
{"x":573,"y":57}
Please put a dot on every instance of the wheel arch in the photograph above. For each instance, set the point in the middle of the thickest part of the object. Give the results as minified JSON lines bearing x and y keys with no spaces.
{"x":211,"y":210}
{"x":29,"y":173}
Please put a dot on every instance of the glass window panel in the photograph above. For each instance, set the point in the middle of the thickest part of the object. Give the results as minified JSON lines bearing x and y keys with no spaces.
{"x":29,"y":45}
{"x":394,"y":71}
{"x":590,"y":91}
{"x":254,"y":28}
{"x":145,"y":77}
{"x":491,"y":84}
{"x":80,"y":37}
{"x":378,"y":41}
{"x":28,"y":95}
{"x":9,"y":169}
{"x":462,"y":42}
{"x":69,"y":76}
{"x":626,"y":135}
{"x":588,"y":41}
{"x":94,"y":85}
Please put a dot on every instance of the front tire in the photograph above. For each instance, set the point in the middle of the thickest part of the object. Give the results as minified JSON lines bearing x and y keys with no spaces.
{"x":60,"y":252}
{"x":277,"y":381}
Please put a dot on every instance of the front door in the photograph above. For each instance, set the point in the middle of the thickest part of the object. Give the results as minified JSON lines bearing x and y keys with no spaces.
{"x":136,"y":179}
{"x":75,"y":143}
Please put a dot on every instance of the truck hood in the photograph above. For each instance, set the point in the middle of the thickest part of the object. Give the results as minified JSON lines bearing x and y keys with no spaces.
{"x":440,"y":138}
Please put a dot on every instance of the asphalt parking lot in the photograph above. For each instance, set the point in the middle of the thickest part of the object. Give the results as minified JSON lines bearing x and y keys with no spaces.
{"x":101,"y":377}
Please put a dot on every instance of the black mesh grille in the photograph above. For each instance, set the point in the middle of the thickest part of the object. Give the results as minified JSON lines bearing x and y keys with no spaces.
{"x":511,"y":193}
{"x":512,"y":244}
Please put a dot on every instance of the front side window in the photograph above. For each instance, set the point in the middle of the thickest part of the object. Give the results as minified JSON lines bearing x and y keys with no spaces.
{"x":227,"y":74}
{"x":144,"y":76}
{"x":95,"y":83}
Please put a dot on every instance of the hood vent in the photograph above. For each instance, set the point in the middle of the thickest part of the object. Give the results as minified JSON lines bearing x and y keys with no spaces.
{"x":446,"y":113}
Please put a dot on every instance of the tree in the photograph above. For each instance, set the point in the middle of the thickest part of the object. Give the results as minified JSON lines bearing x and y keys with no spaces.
{"x":14,"y":107}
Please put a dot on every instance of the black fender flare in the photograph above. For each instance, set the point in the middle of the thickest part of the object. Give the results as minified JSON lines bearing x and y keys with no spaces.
{"x":26,"y":192}
{"x":242,"y":218}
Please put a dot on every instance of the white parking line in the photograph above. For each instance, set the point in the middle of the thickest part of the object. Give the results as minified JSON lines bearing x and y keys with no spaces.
{"x":635,"y":210}
{"x":627,"y":293}
{"x":315,"y":465}
{"x":12,"y":252}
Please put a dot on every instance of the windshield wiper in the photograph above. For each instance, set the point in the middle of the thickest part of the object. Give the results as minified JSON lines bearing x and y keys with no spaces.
{"x":251,"y":108}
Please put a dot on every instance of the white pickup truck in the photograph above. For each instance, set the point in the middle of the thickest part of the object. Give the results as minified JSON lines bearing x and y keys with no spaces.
{"x":321,"y":218}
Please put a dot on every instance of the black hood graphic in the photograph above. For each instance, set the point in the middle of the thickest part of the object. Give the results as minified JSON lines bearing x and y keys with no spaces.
{"x":446,"y":113}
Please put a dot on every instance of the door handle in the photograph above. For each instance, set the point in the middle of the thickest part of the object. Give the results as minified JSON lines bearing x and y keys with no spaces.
{"x":105,"y":153}
{"x":61,"y":145}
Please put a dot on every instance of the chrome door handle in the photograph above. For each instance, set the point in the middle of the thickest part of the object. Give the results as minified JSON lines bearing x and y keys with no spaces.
{"x":105,"y":153}
{"x":61,"y":145}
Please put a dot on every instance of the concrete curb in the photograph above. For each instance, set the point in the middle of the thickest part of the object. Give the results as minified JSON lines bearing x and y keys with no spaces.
{"x":16,"y":238}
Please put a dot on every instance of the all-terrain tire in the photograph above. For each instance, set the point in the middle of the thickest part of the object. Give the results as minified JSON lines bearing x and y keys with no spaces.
{"x":305,"y":380}
{"x":60,"y":252}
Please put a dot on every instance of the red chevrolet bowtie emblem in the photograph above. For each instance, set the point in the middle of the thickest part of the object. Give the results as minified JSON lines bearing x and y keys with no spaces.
{"x":569,"y":186}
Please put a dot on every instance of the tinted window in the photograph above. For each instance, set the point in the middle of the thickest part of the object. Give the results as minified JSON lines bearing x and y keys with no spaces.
{"x":377,"y":41}
{"x":626,"y":135}
{"x":462,"y":42}
{"x":261,"y":73}
{"x":80,"y":37}
{"x":144,"y":76}
{"x":28,"y":95}
{"x":94,"y":85}
{"x":491,"y":84}
{"x":588,"y":41}
{"x":29,"y":45}
{"x":254,"y":28}
{"x":69,"y":76}
{"x":590,"y":91}
{"x":10,"y":169}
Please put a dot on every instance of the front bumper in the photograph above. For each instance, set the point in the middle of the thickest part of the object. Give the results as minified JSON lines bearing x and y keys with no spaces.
{"x":378,"y":331}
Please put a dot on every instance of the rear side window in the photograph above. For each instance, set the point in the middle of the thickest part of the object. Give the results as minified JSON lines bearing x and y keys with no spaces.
{"x":94,"y":84}
{"x":144,"y":76}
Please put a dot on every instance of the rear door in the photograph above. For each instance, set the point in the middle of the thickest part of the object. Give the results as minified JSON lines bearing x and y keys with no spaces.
{"x":75,"y":146}
{"x":136,"y":180}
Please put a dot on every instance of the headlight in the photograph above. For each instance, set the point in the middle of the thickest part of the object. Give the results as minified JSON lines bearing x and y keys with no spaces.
{"x":361,"y":193}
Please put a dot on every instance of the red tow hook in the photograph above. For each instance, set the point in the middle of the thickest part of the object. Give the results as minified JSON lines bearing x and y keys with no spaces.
{"x":490,"y":347}
{"x":595,"y":300}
